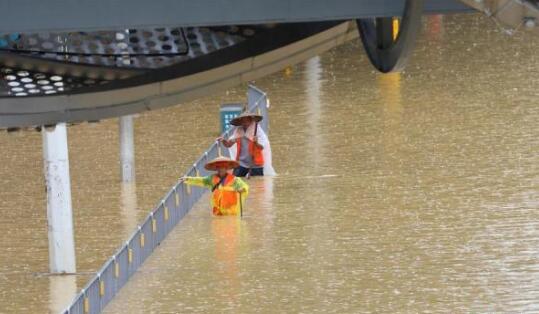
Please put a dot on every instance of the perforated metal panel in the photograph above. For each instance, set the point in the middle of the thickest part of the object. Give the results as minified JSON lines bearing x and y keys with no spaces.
{"x":27,"y":83}
{"x":139,"y":48}
{"x":145,"y":49}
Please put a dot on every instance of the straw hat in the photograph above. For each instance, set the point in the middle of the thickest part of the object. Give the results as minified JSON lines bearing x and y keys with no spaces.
{"x":221,"y":162}
{"x":237,"y":120}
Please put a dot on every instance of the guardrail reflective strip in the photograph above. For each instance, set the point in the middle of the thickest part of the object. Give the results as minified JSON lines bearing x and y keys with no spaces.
{"x":86,"y":305}
{"x":101,"y":288}
{"x":130,"y":255}
{"x":116,"y":269}
{"x":142,"y":239}
{"x":166,"y":212}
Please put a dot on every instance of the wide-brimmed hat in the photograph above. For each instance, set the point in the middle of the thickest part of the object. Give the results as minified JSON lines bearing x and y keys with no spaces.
{"x":221,"y":162}
{"x":237,"y":120}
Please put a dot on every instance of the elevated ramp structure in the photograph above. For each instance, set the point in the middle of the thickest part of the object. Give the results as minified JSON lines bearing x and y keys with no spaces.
{"x":95,"y":80}
{"x":59,"y":63}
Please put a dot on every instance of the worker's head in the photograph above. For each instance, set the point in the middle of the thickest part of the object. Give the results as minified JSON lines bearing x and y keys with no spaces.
{"x":246,"y":121}
{"x":221,"y":165}
{"x":222,"y":171}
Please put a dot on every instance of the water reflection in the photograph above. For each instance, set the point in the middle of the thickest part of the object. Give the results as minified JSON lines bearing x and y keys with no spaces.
{"x":62,"y":290}
{"x":389,"y":87}
{"x":435,"y":27}
{"x":128,"y":204}
{"x":313,"y":87}
{"x":226,"y":232}
{"x":260,"y":199}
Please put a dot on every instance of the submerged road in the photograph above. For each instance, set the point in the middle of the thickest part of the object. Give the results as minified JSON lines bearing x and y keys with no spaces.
{"x":414,"y":192}
{"x":399,"y":193}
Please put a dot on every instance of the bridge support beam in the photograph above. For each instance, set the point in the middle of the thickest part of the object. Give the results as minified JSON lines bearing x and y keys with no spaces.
{"x":127,"y":148}
{"x":59,"y":209}
{"x":387,"y":50}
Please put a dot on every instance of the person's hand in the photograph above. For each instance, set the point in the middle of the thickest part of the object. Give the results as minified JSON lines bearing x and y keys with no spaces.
{"x":241,"y":191}
{"x":255,"y":139}
{"x":224,"y":141}
{"x":182,"y":179}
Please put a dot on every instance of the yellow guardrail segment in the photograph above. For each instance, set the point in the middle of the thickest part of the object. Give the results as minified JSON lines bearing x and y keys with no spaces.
{"x":154,"y":225}
{"x":142,"y":239}
{"x":130,"y":255}
{"x":166,"y":212}
{"x":101,"y":288}
{"x":86,"y":305}
{"x":116,"y":270}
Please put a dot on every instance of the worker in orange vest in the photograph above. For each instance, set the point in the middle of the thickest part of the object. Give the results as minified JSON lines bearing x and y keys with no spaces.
{"x":228,"y":191}
{"x":250,"y":141}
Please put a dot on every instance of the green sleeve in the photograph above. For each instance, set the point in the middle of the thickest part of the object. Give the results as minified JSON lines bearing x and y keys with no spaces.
{"x":199,"y":181}
{"x":239,"y":184}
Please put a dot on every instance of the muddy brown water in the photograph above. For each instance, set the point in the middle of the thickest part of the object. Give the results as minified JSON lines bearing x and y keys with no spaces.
{"x":411,"y":192}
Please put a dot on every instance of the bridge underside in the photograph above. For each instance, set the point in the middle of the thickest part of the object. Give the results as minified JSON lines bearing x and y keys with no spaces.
{"x":82,"y":15}
{"x":58,"y":63}
{"x":33,"y":97}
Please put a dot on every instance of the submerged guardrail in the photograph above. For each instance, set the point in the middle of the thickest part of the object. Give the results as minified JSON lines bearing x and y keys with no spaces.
{"x":117,"y":270}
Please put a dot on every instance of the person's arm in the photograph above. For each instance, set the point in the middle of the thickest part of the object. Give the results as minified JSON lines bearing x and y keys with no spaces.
{"x":231,"y":140}
{"x":240,"y":186}
{"x":197,"y":181}
{"x":227,"y":143}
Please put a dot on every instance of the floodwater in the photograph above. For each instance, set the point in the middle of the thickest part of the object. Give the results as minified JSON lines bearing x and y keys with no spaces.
{"x":412,"y":192}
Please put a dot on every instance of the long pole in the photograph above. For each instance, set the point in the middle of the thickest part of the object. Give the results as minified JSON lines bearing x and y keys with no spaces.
{"x":248,"y":176}
{"x":241,"y":206}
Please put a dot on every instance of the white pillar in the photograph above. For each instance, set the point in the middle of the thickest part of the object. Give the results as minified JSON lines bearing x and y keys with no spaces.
{"x":59,"y":211}
{"x":127,"y":149}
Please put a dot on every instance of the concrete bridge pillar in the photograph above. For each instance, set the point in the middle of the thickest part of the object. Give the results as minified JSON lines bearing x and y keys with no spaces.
{"x":59,"y":209}
{"x":127,"y":149}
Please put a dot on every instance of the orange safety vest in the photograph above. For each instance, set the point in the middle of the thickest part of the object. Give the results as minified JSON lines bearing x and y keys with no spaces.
{"x":256,"y":152}
{"x":224,"y":202}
